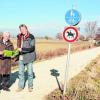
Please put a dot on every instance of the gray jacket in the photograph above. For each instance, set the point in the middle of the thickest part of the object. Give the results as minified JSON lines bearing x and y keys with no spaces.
{"x":28,"y":49}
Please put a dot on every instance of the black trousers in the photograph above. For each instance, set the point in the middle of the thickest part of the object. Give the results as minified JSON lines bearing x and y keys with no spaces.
{"x":4,"y":81}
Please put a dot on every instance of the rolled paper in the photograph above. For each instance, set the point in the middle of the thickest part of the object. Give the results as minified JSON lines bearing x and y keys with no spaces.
{"x":15,"y":53}
{"x":8,"y":53}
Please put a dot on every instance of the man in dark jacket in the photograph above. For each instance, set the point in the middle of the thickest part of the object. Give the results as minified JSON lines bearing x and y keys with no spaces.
{"x":26,"y":46}
{"x":5,"y":62}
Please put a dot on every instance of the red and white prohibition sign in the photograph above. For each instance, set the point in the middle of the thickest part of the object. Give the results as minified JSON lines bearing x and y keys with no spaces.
{"x":70,"y":34}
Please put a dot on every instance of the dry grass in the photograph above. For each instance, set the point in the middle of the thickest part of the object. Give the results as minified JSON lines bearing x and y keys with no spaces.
{"x":47,"y":49}
{"x":84,"y":86}
{"x":51,"y":48}
{"x":43,"y":45}
{"x":51,"y":45}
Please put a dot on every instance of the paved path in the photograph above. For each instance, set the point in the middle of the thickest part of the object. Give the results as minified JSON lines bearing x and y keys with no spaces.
{"x":44,"y":83}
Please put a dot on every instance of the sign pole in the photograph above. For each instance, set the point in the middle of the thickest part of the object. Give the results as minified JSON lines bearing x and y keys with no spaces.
{"x":67,"y":67}
{"x":70,"y":34}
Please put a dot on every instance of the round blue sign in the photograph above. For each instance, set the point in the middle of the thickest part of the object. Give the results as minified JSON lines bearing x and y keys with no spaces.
{"x":73,"y":17}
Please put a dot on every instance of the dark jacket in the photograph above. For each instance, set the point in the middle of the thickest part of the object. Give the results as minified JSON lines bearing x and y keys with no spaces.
{"x":28,"y":47}
{"x":5,"y":62}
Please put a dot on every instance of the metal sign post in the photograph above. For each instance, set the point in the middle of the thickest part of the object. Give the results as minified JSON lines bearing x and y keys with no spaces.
{"x":70,"y":34}
{"x":66,"y":70}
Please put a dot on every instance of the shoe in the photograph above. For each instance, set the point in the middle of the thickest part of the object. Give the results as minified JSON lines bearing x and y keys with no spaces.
{"x":30,"y":89}
{"x":6,"y":89}
{"x":19,"y":89}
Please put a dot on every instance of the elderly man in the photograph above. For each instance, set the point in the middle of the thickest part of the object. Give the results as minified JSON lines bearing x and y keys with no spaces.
{"x":5,"y":62}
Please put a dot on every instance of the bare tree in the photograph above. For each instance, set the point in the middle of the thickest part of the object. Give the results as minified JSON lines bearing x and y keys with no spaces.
{"x":98,"y":30}
{"x":90,"y":28}
{"x":97,"y":36}
{"x":59,"y":36}
{"x":46,"y":37}
{"x":1,"y":34}
{"x":81,"y":37}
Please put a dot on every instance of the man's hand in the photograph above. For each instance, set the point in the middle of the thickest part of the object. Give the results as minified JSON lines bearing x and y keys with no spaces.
{"x":1,"y":52}
{"x":20,"y":49}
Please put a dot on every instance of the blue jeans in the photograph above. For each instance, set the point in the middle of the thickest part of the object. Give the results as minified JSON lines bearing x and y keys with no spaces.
{"x":22,"y":75}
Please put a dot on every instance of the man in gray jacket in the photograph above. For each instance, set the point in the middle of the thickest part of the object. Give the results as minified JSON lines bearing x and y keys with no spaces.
{"x":26,"y":46}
